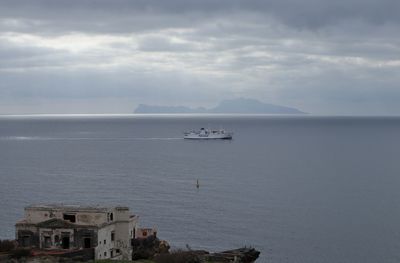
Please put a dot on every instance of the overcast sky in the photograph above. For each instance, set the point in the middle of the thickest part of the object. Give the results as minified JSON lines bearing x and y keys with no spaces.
{"x":107,"y":56}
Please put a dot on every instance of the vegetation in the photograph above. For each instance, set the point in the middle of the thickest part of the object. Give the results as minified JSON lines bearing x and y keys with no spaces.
{"x":21,"y":253}
{"x":123,"y":261}
{"x":6,"y":245}
{"x":177,"y":256}
{"x":10,"y":247}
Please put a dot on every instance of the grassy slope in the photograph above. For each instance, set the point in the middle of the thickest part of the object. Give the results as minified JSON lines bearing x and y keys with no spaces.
{"x":123,"y":261}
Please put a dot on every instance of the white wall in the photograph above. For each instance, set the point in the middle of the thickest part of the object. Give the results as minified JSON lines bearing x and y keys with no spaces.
{"x":122,"y":240}
{"x":35,"y":216}
{"x":104,"y":234}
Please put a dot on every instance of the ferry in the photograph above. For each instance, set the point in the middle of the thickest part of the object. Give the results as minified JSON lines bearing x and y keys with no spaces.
{"x":208,"y":134}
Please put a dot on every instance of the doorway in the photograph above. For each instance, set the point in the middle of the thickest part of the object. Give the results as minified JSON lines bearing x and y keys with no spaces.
{"x":65,"y":242}
{"x":87,"y":242}
{"x":47,"y":242}
{"x":26,"y":241}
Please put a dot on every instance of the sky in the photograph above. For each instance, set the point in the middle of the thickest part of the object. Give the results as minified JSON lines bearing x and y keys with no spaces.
{"x":337,"y":57}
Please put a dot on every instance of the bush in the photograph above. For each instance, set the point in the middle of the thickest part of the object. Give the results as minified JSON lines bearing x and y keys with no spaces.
{"x":6,"y":245}
{"x":142,"y":254}
{"x":21,"y":253}
{"x":177,"y":256}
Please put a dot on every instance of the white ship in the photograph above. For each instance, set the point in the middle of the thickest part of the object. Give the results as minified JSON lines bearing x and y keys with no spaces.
{"x":207,"y":134}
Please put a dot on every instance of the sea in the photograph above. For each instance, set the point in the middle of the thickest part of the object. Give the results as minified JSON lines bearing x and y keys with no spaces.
{"x":322,"y":189}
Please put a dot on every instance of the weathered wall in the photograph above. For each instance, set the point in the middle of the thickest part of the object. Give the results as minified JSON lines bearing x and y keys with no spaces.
{"x":34,"y":216}
{"x":121,"y":213}
{"x":104,"y":244}
{"x":37,"y":237}
{"x":145,"y":232}
{"x":123,"y":231}
{"x":27,"y":236}
{"x":81,"y":234}
{"x":52,"y":233}
{"x":108,"y":230}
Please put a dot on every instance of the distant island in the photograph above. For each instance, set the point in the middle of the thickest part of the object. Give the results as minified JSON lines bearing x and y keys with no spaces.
{"x":239,"y":106}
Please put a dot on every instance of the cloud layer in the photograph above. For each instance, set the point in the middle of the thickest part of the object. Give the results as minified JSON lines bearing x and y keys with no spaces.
{"x":327,"y":57}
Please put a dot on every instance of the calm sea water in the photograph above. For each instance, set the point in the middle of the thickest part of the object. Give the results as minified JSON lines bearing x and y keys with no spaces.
{"x":299,"y":189}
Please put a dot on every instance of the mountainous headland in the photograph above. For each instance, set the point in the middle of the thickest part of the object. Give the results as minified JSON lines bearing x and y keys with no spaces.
{"x":238,"y":106}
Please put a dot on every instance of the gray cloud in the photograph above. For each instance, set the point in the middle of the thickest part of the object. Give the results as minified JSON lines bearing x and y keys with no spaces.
{"x":127,"y":16}
{"x":321,"y":56}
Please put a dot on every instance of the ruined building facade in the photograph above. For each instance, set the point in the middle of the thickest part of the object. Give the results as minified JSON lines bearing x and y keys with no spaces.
{"x":107,"y":230}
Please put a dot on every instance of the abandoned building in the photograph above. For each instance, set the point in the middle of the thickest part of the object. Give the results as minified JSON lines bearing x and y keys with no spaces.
{"x":109,"y":231}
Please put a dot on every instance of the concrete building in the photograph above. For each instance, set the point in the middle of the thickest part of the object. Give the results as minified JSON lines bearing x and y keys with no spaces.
{"x":108,"y":230}
{"x":143,"y":233}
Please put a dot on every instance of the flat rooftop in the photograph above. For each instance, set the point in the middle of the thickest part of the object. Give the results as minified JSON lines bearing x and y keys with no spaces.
{"x":74,"y":207}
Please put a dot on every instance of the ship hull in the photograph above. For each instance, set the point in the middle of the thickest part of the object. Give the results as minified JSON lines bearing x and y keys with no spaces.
{"x":197,"y":137}
{"x":208,"y":134}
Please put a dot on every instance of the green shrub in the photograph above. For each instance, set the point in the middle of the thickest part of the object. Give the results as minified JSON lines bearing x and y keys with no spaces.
{"x":6,"y":245}
{"x":21,"y":253}
{"x":177,"y":256}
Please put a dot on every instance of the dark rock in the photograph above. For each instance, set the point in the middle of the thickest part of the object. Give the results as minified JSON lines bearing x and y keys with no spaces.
{"x":240,"y":255}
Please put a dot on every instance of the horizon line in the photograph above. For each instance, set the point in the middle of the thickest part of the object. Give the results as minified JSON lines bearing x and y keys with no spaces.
{"x":191,"y":114}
